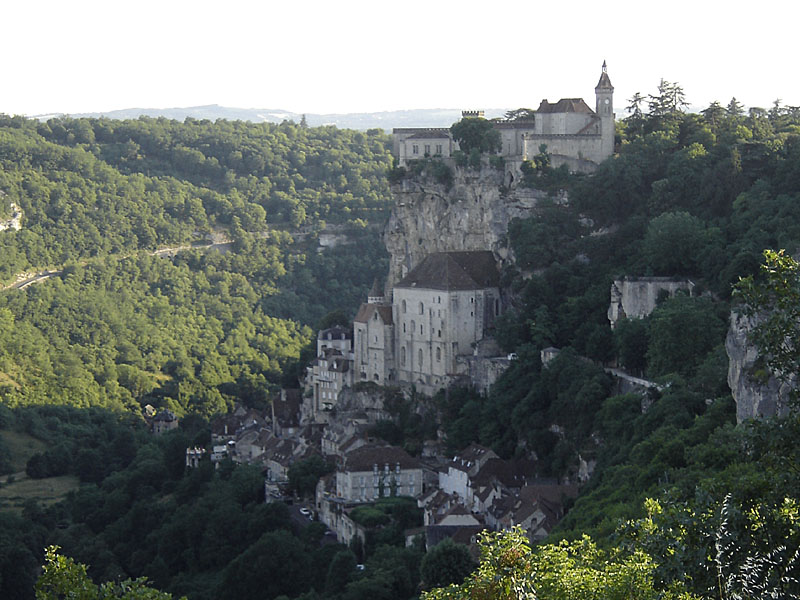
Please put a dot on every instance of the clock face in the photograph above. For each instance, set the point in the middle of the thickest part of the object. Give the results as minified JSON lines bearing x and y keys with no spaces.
{"x":607,"y":100}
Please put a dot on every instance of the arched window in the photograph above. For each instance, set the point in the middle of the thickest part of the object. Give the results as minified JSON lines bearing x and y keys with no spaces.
{"x":419,"y":354}
{"x":403,"y":356}
{"x":421,"y":308}
{"x":438,"y":355}
{"x":403,"y":306}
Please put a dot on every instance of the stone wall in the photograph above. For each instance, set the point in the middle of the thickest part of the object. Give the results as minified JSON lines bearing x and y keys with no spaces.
{"x":636,"y":298}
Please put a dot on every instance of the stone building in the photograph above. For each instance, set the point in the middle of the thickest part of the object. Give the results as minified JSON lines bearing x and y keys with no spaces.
{"x":575,"y":135}
{"x":371,"y":472}
{"x":442,"y":309}
{"x":439,"y":316}
{"x":373,"y":329}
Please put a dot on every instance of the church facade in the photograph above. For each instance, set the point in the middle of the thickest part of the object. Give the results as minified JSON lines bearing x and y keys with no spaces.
{"x":574,"y":134}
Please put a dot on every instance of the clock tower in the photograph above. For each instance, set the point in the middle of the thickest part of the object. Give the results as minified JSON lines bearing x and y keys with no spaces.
{"x":604,"y":107}
{"x":604,"y":92}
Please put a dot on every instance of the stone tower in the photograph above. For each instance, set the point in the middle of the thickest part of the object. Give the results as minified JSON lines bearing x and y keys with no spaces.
{"x":604,"y":94}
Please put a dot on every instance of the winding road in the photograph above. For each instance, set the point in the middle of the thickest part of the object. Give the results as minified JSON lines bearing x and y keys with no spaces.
{"x":165,"y":252}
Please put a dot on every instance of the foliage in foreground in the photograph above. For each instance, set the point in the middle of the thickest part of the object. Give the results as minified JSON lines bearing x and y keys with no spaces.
{"x":64,"y":578}
{"x":510,"y":569}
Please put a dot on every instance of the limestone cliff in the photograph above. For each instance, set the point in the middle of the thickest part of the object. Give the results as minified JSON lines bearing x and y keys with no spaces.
{"x":757,"y":394}
{"x":471,"y":214}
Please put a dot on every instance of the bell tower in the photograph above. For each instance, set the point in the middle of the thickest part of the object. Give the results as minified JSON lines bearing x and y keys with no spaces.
{"x":604,"y":108}
{"x":604,"y":93}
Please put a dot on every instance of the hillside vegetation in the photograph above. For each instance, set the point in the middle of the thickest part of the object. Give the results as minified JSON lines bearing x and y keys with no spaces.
{"x":120,"y":328}
{"x":682,"y":502}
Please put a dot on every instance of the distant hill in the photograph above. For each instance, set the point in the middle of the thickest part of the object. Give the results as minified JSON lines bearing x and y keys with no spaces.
{"x":432,"y":117}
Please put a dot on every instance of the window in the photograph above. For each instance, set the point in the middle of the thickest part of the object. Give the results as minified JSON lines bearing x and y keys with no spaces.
{"x":438,"y":355}
{"x":404,"y":327}
{"x":414,"y":149}
{"x":420,"y":328}
{"x":440,"y":333}
{"x":427,"y":148}
{"x":421,"y":308}
{"x":403,"y":306}
{"x":438,"y":148}
{"x":419,"y":355}
{"x":496,"y":307}
{"x":403,"y":356}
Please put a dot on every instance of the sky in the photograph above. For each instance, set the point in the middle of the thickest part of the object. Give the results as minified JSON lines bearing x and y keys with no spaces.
{"x":310,"y":56}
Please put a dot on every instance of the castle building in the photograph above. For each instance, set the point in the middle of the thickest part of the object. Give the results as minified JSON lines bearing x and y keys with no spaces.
{"x":574,"y":134}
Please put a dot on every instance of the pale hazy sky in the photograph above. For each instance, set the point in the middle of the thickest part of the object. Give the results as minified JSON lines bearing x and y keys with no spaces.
{"x":314,"y":56}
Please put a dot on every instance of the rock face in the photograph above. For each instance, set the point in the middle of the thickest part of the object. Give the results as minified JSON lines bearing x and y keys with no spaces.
{"x":472,"y":214}
{"x":636,"y":298}
{"x":756,"y":396}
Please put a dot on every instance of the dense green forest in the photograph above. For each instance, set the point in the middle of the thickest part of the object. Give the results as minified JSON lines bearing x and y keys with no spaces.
{"x":119,"y":327}
{"x":680,"y":494}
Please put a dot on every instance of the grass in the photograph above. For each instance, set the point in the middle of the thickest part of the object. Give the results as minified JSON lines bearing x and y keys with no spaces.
{"x":45,"y":491}
{"x":21,"y":447}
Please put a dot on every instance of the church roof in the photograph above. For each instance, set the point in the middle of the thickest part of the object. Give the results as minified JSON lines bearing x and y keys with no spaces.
{"x":565,"y":105}
{"x":365,"y":312}
{"x":473,"y":270}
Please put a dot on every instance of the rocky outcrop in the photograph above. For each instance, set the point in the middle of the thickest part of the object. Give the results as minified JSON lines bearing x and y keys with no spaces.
{"x":471,"y":214}
{"x":757,"y":393}
{"x":636,"y":298}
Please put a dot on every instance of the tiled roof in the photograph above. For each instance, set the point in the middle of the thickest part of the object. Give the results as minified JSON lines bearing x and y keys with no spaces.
{"x":473,"y":270}
{"x":334,"y":333}
{"x":565,"y":105}
{"x":364,"y":458}
{"x":365,"y":312}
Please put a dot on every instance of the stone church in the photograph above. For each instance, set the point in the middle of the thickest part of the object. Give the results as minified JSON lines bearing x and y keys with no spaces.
{"x":575,"y":135}
{"x":436,"y":318}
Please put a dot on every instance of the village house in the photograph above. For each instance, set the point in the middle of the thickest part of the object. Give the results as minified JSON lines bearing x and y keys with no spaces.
{"x":165,"y":420}
{"x":373,"y":472}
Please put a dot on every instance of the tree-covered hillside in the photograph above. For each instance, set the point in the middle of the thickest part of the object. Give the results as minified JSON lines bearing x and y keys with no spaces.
{"x":120,"y":327}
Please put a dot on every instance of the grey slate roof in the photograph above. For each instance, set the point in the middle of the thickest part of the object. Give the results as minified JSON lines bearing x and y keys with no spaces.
{"x":604,"y":83}
{"x":565,"y":105}
{"x":473,"y":270}
{"x":364,"y":458}
{"x":365,"y":312}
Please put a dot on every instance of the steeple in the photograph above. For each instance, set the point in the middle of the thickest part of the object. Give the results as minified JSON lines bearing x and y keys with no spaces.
{"x":605,"y":82}
{"x":376,"y":295}
{"x":604,"y":94}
